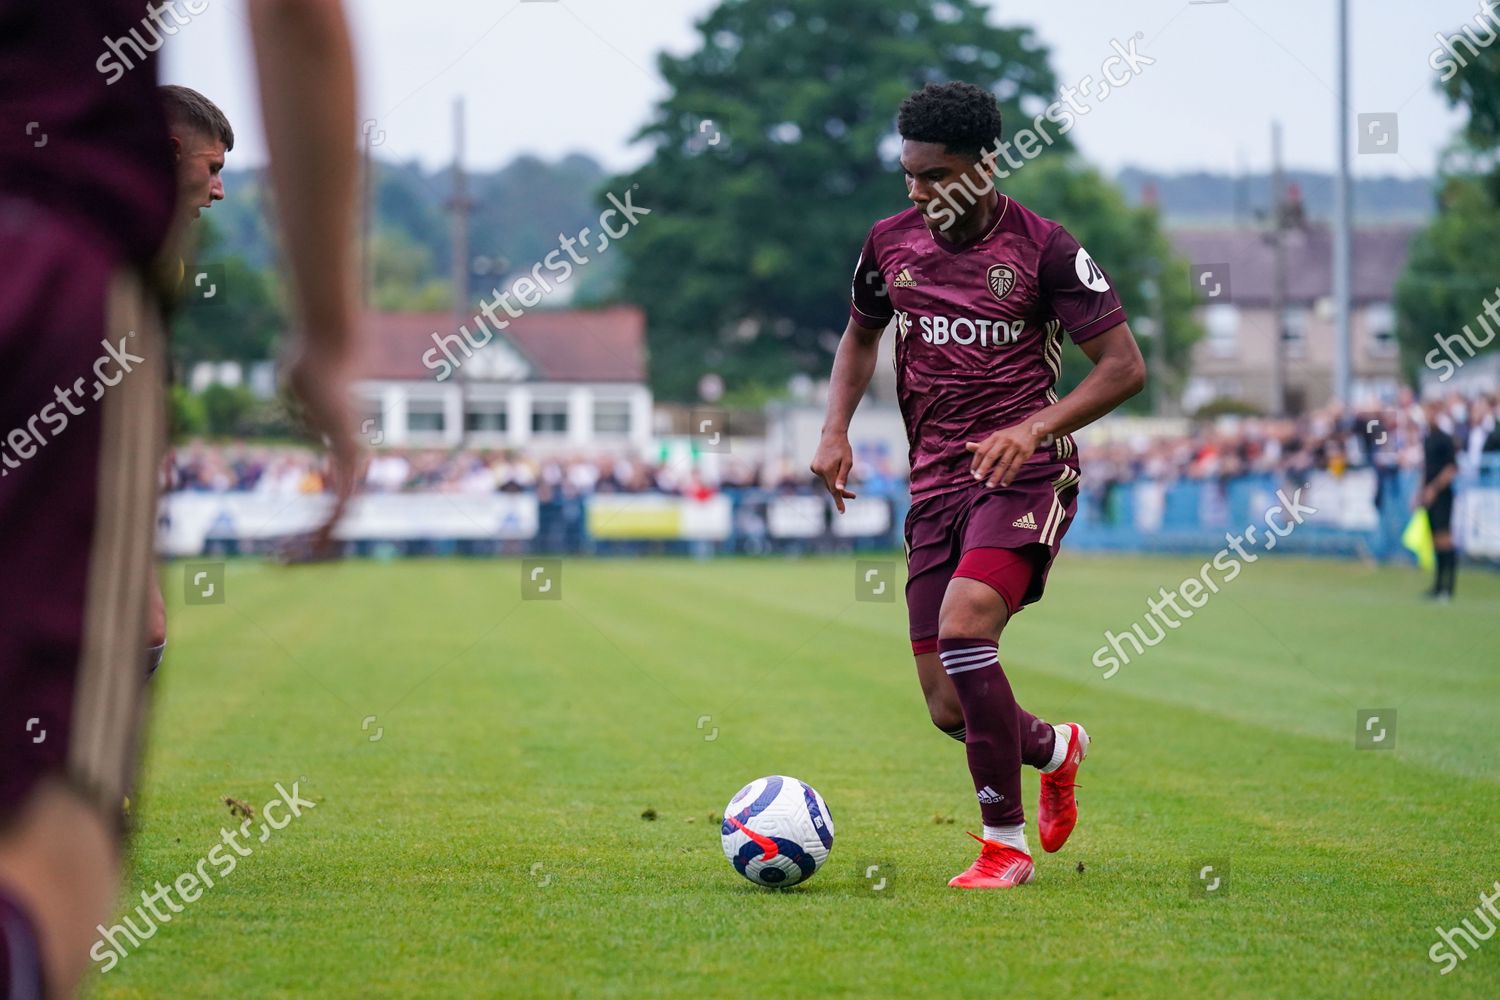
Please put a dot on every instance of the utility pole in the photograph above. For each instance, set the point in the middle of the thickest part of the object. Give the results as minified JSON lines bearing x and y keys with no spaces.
{"x":459,"y":206}
{"x":1277,"y":238}
{"x":1342,"y":267}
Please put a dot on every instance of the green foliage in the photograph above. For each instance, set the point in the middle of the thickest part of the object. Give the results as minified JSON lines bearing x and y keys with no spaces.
{"x":241,"y":322}
{"x":523,"y":209}
{"x":1451,"y":268}
{"x":189,"y":417}
{"x":234,"y":411}
{"x":240,"y":225}
{"x":519,"y":212}
{"x":410,"y":201}
{"x":1454,"y":265}
{"x":225,"y":408}
{"x":1226,"y":406}
{"x":1476,"y":87}
{"x":403,"y":279}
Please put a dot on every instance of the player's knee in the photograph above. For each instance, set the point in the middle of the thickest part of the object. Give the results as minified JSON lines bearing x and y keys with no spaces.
{"x":971,"y":610}
{"x":945,"y":713}
{"x":968,"y":618}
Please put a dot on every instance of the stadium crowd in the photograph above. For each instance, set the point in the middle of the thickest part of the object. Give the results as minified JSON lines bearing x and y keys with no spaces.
{"x":1333,"y":439}
{"x":285,"y":471}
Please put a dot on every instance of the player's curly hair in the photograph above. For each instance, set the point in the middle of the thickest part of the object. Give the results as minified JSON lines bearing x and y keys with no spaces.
{"x":961,"y":116}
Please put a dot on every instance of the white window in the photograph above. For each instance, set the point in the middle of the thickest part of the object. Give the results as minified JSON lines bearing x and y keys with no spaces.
{"x":1223,"y":323}
{"x":487,"y":417}
{"x":1294,"y":323}
{"x":1380,"y":319}
{"x":612,"y":417}
{"x":549,"y":416}
{"x":426,"y":417}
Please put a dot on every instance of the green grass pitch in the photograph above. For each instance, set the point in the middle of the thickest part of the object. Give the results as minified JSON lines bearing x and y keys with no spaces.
{"x":483,"y":834}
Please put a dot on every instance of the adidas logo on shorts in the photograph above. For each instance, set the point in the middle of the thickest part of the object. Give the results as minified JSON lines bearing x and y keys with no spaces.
{"x":989,"y":796}
{"x":1024,"y":521}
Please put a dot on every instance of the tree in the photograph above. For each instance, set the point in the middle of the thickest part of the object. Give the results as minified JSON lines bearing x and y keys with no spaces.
{"x":1454,"y":265}
{"x":773,"y":157}
{"x":776,"y":150}
{"x":243,"y":318}
{"x":403,"y":278}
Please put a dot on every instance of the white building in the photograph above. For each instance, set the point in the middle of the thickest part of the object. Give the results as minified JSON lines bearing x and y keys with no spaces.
{"x":564,"y":380}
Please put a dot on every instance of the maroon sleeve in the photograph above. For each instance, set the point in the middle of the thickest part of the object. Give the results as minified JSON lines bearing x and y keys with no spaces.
{"x":870,"y":301}
{"x":1076,"y":289}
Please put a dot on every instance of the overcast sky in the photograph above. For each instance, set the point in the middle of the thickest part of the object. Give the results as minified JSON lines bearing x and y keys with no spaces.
{"x":557,"y":76}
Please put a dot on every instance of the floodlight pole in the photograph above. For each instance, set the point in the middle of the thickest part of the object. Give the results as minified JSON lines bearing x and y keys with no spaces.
{"x":459,"y":206}
{"x":1342,"y":276}
{"x":1277,"y":238}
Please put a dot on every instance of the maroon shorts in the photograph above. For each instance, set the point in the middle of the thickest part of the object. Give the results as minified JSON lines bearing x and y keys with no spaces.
{"x":81,"y":425}
{"x":1031,"y":515}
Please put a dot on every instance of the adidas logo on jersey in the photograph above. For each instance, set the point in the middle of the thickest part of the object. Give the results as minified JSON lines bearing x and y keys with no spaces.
{"x":1024,"y":521}
{"x":989,"y":796}
{"x":905,"y":279}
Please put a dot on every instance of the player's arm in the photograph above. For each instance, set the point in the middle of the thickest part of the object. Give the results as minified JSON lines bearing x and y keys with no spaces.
{"x":853,"y":367}
{"x":305,"y":65}
{"x":1119,"y":372}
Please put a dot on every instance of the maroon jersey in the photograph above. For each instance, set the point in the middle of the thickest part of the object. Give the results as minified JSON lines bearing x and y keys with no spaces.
{"x":82,"y":135}
{"x":978,"y":329}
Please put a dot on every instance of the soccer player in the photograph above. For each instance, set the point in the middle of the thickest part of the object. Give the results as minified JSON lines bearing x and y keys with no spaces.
{"x":200,"y":137}
{"x":981,"y":291}
{"x":87,"y":196}
{"x":1439,"y":469}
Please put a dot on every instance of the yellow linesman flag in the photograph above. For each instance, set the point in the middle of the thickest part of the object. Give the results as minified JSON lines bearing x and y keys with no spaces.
{"x":1418,"y":538}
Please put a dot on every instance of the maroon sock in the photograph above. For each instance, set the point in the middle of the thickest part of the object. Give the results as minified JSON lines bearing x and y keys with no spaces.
{"x":20,"y":957}
{"x":992,"y":719}
{"x":1038,"y":739}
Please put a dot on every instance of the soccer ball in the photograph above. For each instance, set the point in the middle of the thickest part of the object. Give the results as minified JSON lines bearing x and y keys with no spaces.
{"x":777,"y":831}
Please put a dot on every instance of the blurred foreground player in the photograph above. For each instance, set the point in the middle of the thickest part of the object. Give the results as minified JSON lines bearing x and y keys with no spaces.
{"x":86,"y":202}
{"x":981,"y":291}
{"x":200,"y":137}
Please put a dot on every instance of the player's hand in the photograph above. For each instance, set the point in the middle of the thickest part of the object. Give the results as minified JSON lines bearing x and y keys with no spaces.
{"x":831,"y":463}
{"x":319,"y":380}
{"x":1000,"y":456}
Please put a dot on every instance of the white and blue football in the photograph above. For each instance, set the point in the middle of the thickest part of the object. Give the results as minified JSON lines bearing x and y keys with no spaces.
{"x":777,"y":831}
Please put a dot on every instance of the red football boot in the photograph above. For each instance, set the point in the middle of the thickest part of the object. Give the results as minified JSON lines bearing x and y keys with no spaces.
{"x":997,"y":867}
{"x":1058,"y":810}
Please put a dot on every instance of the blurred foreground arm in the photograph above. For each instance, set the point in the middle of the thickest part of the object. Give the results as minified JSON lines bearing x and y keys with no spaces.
{"x":305,"y":64}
